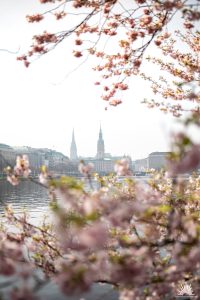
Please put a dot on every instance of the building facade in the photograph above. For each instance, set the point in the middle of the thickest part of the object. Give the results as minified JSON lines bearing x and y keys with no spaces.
{"x":140,"y":165}
{"x":155,"y":160}
{"x":103,"y":162}
{"x":56,"y":162}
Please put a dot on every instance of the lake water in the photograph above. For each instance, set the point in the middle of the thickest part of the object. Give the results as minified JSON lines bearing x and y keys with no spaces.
{"x":34,"y":198}
{"x":27,"y":195}
{"x":30,"y":196}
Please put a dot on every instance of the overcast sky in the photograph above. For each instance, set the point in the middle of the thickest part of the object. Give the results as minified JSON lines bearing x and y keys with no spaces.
{"x":41,"y":105}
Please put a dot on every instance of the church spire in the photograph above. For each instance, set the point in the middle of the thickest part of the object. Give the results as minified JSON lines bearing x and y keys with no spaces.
{"x":73,"y":148}
{"x":100,"y":145}
{"x":100,"y":133}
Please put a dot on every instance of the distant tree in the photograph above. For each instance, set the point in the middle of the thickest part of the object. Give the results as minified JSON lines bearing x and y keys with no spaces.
{"x":118,"y":33}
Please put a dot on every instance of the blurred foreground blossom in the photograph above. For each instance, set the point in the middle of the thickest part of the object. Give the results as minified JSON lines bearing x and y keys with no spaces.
{"x":127,"y":295}
{"x":78,"y":278}
{"x":22,"y":166}
{"x":12,"y":178}
{"x":85,"y":169}
{"x":122,"y":167}
{"x":94,"y":236}
{"x":43,"y":176}
{"x":127,"y":233}
{"x":21,"y":169}
{"x":189,"y":162}
{"x":23,"y":293}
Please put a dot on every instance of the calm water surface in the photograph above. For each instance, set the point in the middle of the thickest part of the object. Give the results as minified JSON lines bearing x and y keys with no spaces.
{"x":27,"y":195}
{"x":30,"y":196}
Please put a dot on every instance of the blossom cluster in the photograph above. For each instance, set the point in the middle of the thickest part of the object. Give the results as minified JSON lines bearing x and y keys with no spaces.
{"x":21,"y":169}
{"x":128,"y":27}
{"x":181,"y":92}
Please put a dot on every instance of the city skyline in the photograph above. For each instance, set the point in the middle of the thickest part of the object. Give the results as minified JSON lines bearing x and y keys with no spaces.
{"x":102,"y":163}
{"x":68,"y":146}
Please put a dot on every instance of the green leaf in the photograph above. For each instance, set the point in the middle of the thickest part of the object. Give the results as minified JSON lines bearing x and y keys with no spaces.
{"x":164,"y":208}
{"x":67,"y":182}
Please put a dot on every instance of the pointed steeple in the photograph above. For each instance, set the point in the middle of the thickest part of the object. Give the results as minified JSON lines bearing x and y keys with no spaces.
{"x":100,"y":133}
{"x":73,"y":138}
{"x":100,"y":145}
{"x":73,"y":148}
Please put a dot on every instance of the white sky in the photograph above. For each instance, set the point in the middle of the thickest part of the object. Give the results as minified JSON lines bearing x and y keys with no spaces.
{"x":40,"y":107}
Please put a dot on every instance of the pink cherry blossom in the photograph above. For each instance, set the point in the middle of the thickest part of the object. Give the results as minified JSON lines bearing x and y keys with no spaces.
{"x":23,"y":293}
{"x":85,"y":169}
{"x":189,"y":162}
{"x":122,"y":167}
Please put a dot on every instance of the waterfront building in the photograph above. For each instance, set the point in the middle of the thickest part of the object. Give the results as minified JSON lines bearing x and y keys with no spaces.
{"x":157,"y":160}
{"x":103,"y":162}
{"x":106,"y":165}
{"x":55,"y":161}
{"x":140,"y":165}
{"x":101,"y":166}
